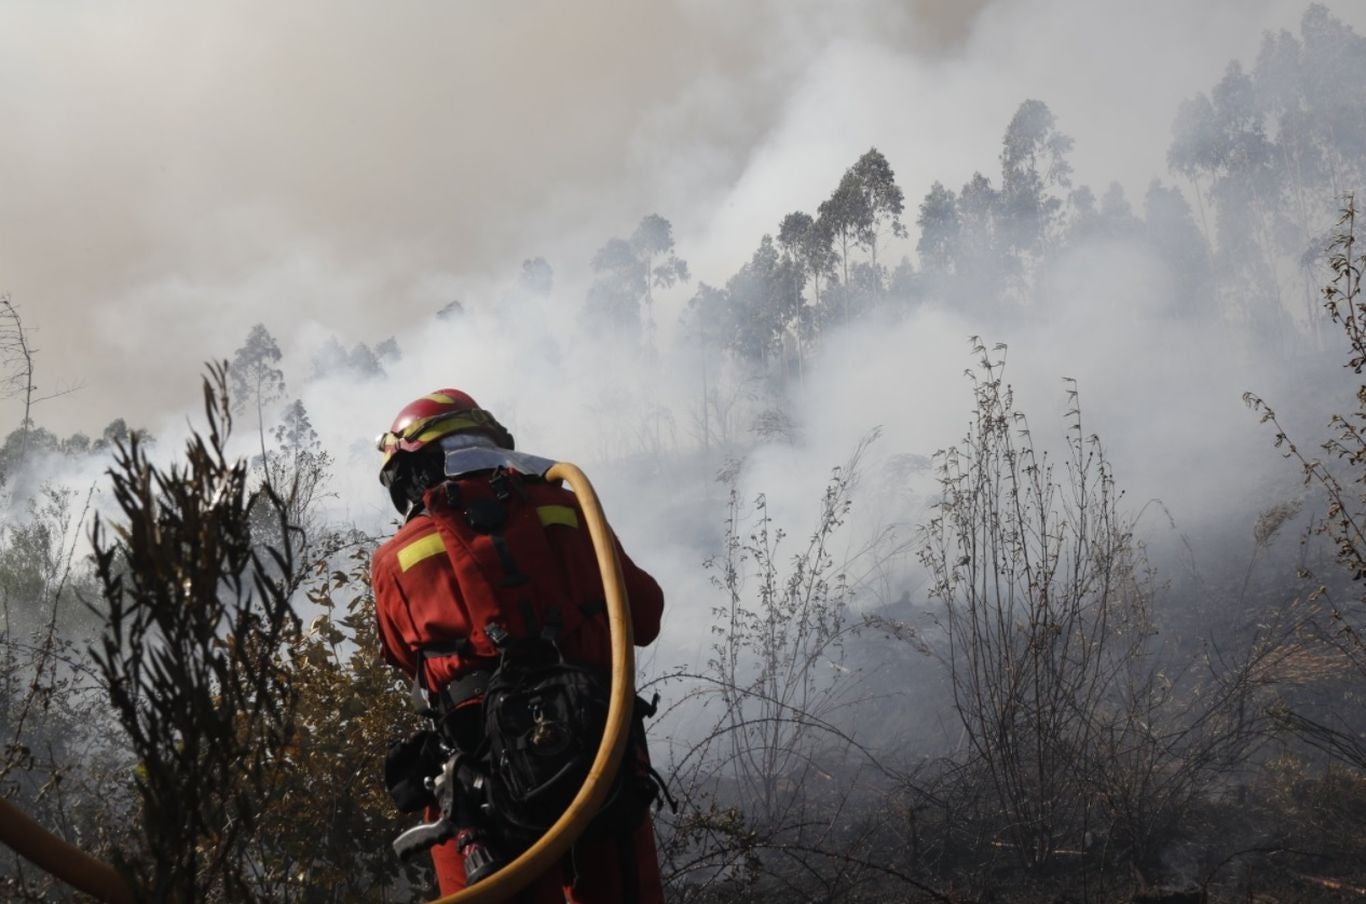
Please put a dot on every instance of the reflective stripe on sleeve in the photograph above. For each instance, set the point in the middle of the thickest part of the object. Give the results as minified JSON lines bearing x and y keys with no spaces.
{"x":557,"y":514}
{"x":418,"y":550}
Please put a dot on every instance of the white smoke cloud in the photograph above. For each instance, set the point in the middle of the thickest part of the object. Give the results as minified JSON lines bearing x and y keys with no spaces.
{"x":175,"y":174}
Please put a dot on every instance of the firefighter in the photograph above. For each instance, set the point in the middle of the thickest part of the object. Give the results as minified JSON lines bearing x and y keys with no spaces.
{"x":441,"y":618}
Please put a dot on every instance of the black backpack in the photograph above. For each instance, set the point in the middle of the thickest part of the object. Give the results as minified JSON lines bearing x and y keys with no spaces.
{"x":543,"y":720}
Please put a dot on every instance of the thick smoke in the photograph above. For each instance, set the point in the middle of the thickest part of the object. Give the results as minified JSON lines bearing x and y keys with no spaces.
{"x":177,"y":176}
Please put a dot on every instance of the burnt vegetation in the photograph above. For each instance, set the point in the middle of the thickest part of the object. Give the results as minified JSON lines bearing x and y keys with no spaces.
{"x":1010,"y":698}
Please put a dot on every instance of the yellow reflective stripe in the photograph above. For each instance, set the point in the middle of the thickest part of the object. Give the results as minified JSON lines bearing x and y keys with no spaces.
{"x":557,"y":514}
{"x":432,"y":428}
{"x":440,"y":397}
{"x":418,"y":550}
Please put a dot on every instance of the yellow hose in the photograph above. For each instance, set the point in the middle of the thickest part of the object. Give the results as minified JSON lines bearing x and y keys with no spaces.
{"x":555,"y":843}
{"x":67,"y":862}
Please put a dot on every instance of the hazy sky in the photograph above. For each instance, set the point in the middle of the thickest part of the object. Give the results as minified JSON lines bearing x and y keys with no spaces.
{"x":173,"y":173}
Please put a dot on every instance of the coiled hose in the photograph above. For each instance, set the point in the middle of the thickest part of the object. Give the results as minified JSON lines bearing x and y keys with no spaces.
{"x":80,"y":870}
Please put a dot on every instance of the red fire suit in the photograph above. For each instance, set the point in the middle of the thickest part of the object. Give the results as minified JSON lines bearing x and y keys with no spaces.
{"x":419,"y":604}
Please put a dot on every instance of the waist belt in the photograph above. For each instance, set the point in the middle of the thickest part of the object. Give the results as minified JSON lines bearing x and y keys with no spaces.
{"x":455,"y":693}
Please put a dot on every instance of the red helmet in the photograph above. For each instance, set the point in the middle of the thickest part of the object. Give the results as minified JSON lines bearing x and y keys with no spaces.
{"x":431,"y":417}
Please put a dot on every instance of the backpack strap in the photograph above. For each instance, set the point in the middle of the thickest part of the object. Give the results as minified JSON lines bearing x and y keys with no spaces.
{"x":493,"y":525}
{"x":487,"y":517}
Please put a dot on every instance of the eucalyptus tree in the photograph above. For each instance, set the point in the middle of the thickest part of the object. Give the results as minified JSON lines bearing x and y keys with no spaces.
{"x":806,"y":244}
{"x":1034,"y":170}
{"x":256,"y":379}
{"x":537,"y":277}
{"x":939,"y":231}
{"x":866,"y":202}
{"x":883,"y":202}
{"x":627,"y":272}
{"x":653,"y":245}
